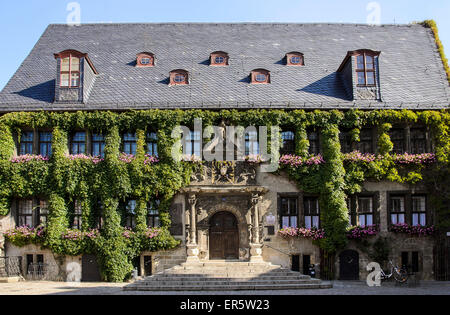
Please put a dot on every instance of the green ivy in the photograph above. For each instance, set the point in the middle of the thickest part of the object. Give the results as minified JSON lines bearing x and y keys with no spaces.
{"x":62,"y":180}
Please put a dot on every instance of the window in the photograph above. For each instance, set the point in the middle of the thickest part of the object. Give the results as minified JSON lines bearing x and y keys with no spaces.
{"x":295,"y":59}
{"x":397,"y":209}
{"x":251,"y":143}
{"x":98,"y":145}
{"x":70,"y":71}
{"x":45,"y":143}
{"x":219,"y":58}
{"x":78,"y":143}
{"x":77,"y":215}
{"x":130,"y":214}
{"x":314,"y":144}
{"x":129,"y":143}
{"x":398,"y":139}
{"x":193,"y":144}
{"x":26,"y":143}
{"x":25,"y":212}
{"x":179,"y":77}
{"x":289,"y":212}
{"x":365,"y":145}
{"x":152,"y":144}
{"x":419,"y":211}
{"x":312,"y":212}
{"x":288,"y":138}
{"x":418,"y":140}
{"x":345,"y":139}
{"x":145,"y":60}
{"x":260,"y":76}
{"x":365,"y":211}
{"x":43,"y":212}
{"x":153,"y":213}
{"x":365,"y":69}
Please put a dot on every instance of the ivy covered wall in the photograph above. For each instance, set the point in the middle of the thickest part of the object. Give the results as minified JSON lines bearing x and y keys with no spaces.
{"x":62,"y":179}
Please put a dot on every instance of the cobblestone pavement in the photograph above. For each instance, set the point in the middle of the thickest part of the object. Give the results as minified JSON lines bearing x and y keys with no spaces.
{"x":339,"y":288}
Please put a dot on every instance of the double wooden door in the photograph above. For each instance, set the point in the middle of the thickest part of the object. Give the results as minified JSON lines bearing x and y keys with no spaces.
{"x":224,"y":237}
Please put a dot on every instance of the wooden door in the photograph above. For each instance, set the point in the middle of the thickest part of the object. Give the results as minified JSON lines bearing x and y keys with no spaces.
{"x":90,"y":271}
{"x":224,"y":237}
{"x":349,"y":265}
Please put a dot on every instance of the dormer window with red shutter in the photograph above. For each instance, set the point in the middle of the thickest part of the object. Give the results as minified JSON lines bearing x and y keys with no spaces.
{"x":145,"y":59}
{"x":219,"y":58}
{"x":179,"y":77}
{"x":295,"y":59}
{"x":260,"y":76}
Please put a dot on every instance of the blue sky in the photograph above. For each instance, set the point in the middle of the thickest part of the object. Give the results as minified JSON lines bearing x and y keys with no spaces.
{"x":22,"y":24}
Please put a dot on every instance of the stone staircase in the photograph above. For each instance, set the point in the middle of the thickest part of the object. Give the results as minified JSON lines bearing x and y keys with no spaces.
{"x":226,"y":276}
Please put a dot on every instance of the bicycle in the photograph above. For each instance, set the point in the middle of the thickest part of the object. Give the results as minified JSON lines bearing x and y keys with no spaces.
{"x":400,"y":275}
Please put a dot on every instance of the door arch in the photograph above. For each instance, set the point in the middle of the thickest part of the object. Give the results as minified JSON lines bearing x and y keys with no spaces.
{"x":223,"y":236}
{"x":349,"y":265}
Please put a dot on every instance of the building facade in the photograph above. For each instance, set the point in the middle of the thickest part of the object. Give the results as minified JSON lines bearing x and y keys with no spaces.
{"x":88,"y":134}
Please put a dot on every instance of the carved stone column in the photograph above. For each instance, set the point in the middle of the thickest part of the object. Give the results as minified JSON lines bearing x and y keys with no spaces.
{"x":192,"y":246}
{"x":255,"y":245}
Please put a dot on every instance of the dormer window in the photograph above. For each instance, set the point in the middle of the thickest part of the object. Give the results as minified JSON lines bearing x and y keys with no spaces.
{"x":365,"y":69}
{"x":294,"y":59}
{"x":260,"y":76}
{"x":145,"y":59}
{"x":74,"y":77}
{"x":70,"y":71}
{"x":179,"y":77}
{"x":219,"y":58}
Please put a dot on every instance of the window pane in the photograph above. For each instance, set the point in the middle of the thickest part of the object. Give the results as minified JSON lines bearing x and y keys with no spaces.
{"x":361,"y":78}
{"x":308,"y":222}
{"x":394,"y":218}
{"x":75,"y":79}
{"x":415,"y":219}
{"x":293,"y":221}
{"x":371,"y":78}
{"x":369,"y":219}
{"x":423,"y":219}
{"x":316,"y":222}
{"x":65,"y":79}
{"x":362,"y":220}
{"x":360,"y":62}
{"x":65,"y":64}
{"x":285,"y":222}
{"x":401,"y":218}
{"x":369,"y":63}
{"x":75,"y":66}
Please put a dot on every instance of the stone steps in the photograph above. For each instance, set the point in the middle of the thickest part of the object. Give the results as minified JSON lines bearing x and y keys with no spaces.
{"x":226,"y":276}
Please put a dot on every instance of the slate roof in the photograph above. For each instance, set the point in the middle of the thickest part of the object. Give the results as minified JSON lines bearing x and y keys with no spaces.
{"x":411,"y":71}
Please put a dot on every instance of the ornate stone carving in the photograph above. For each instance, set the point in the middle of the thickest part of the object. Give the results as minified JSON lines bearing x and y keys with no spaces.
{"x":225,"y":173}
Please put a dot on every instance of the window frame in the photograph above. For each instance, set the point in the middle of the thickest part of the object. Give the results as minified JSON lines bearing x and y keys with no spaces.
{"x":78,"y":143}
{"x":153,"y":214}
{"x":46,"y":143}
{"x":307,"y":212}
{"x":27,"y":143}
{"x":77,"y":215}
{"x":290,"y":142}
{"x":251,"y":143}
{"x":397,"y":140}
{"x":151,"y":143}
{"x":316,"y":142}
{"x":365,"y":70}
{"x":289,"y":214}
{"x":365,"y":213}
{"x":419,"y":213}
{"x":219,"y":54}
{"x":291,"y":55}
{"x":71,"y":56}
{"x":414,"y":141}
{"x":393,"y":212}
{"x":180,"y":72}
{"x":255,"y":73}
{"x":363,"y":143}
{"x":131,"y":143}
{"x":98,"y":145}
